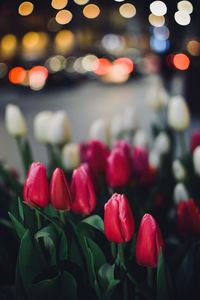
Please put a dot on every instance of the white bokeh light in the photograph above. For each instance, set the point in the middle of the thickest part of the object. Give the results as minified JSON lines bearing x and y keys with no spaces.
{"x":158,"y":8}
{"x":185,"y":6}
{"x":182,"y":18}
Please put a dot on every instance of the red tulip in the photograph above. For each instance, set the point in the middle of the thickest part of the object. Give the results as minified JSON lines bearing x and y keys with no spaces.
{"x":149,"y":242}
{"x":82,"y":189}
{"x":96,"y":156}
{"x":119,"y":168}
{"x":195,"y":140}
{"x":124,"y":145}
{"x":119,"y":224}
{"x":140,"y":161}
{"x":36,"y":187}
{"x":59,"y":191}
{"x":188,"y":217}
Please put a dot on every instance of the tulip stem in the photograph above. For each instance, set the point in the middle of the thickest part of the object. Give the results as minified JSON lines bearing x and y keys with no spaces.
{"x":22,"y":154}
{"x":62,"y":216}
{"x":121,"y":255}
{"x":182,"y":144}
{"x":150,"y":277}
{"x":38,"y":218}
{"x":113,"y":249}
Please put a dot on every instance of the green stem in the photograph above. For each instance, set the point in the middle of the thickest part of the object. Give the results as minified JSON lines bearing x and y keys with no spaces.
{"x":38,"y":218}
{"x":121,"y":255}
{"x":61,"y":214}
{"x":22,"y":154}
{"x":182,"y":143}
{"x":150,"y":277}
{"x":113,"y":249}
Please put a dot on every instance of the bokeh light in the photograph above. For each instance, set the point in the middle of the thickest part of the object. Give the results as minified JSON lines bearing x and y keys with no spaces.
{"x":161,"y":33}
{"x":185,"y":6}
{"x":37,"y":77}
{"x":127,"y":10}
{"x":125,"y":63}
{"x":55,"y":63}
{"x":64,"y":17}
{"x":103,"y":67}
{"x":25,"y":8}
{"x":156,"y":21}
{"x":81,"y":2}
{"x":193,"y":47}
{"x":17,"y":75}
{"x":8,"y":45}
{"x":158,"y":8}
{"x":91,"y":11}
{"x":182,"y":18}
{"x":159,"y":45}
{"x":64,"y":41}
{"x":59,"y":4}
{"x":181,"y":61}
{"x":90,"y":62}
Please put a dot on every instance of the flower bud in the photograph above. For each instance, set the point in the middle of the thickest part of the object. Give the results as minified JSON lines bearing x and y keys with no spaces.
{"x":188,"y":218}
{"x":158,"y":98}
{"x":59,"y":191}
{"x":130,"y":121}
{"x":178,"y":170}
{"x":180,"y":193}
{"x":140,"y":161}
{"x":41,"y":125}
{"x":36,"y":187}
{"x":59,"y":128}
{"x":15,"y":121}
{"x":71,"y":156}
{"x":196,"y":160}
{"x":118,"y":168}
{"x":149,"y":242}
{"x":100,"y":131}
{"x":140,"y":139}
{"x":154,"y":159}
{"x":82,"y":190}
{"x":195,"y":140}
{"x":178,"y":114}
{"x":119,"y":224}
{"x":162,"y":143}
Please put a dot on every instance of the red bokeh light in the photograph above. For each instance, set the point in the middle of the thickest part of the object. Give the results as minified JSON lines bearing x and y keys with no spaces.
{"x":181,"y":61}
{"x":103,"y":66}
{"x":17,"y":75}
{"x":126,"y":63}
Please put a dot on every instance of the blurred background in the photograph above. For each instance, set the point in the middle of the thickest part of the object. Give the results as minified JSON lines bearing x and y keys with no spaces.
{"x":93,"y":58}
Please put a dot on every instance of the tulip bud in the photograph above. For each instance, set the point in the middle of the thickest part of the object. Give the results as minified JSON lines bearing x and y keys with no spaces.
{"x":116,"y":126}
{"x":162,"y":143}
{"x":196,"y":160}
{"x":119,"y":224}
{"x":154,"y":159}
{"x":15,"y":121}
{"x":178,"y":114}
{"x":82,"y":189}
{"x":178,"y":170}
{"x":158,"y":98}
{"x":100,"y":131}
{"x":118,"y":168}
{"x":195,"y":140}
{"x":41,"y":125}
{"x":140,"y":139}
{"x":188,"y":217}
{"x":59,"y":191}
{"x":96,"y":157}
{"x":130,"y":120}
{"x":180,"y":193}
{"x":149,"y":242}
{"x":140,"y":161}
{"x":36,"y":187}
{"x":71,"y":156}
{"x":59,"y":128}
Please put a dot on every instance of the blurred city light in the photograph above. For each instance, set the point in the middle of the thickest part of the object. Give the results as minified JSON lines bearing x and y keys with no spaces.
{"x":182,"y":18}
{"x":127,"y":10}
{"x":8,"y":45}
{"x":156,"y":21}
{"x":158,"y":8}
{"x":17,"y":75}
{"x":181,"y":61}
{"x":185,"y":6}
{"x":193,"y":47}
{"x":64,"y":41}
{"x":103,"y":66}
{"x":161,"y":33}
{"x":59,"y":4}
{"x":37,"y":77}
{"x":63,"y":17}
{"x":25,"y":8}
{"x":91,"y":11}
{"x":81,"y":2}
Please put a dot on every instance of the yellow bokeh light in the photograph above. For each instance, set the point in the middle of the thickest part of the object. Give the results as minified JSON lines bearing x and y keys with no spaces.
{"x":59,"y":4}
{"x":127,"y":10}
{"x":25,"y":8}
{"x":185,"y":6}
{"x":193,"y":47}
{"x":30,"y":40}
{"x":64,"y":41}
{"x":81,"y":2}
{"x":63,"y":17}
{"x":8,"y":45}
{"x":156,"y":21}
{"x":91,"y":11}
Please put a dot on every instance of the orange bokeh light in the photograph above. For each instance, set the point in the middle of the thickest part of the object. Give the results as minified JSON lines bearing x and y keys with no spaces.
{"x":126,"y":63}
{"x":39,"y":69}
{"x":17,"y":75}
{"x":181,"y":61}
{"x":103,"y":66}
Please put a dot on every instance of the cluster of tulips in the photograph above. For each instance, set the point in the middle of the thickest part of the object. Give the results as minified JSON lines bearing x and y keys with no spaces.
{"x":115,"y":217}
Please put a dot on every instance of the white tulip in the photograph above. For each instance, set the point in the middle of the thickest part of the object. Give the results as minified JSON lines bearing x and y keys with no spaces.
{"x":154,"y":159}
{"x":162,"y":143}
{"x":116,"y":126}
{"x":178,"y":114}
{"x":15,"y":121}
{"x":178,"y":170}
{"x":180,"y":193}
{"x":158,"y":98}
{"x":100,"y":130}
{"x":59,"y":128}
{"x":71,"y":156}
{"x":130,"y":121}
{"x":41,"y":125}
{"x":196,"y":160}
{"x":140,"y":138}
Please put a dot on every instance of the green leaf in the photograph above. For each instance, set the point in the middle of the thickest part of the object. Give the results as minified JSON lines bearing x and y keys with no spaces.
{"x":20,"y":229}
{"x":95,"y":221}
{"x":106,"y":278}
{"x":164,"y":284}
{"x":21,"y":211}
